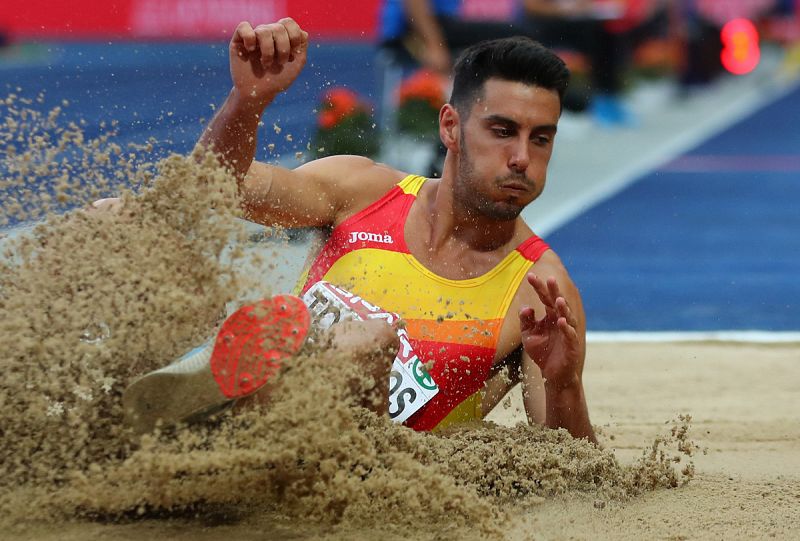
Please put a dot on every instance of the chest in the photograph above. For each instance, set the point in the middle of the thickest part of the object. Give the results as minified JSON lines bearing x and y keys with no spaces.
{"x":453,"y":259}
{"x":452,"y":299}
{"x":468,"y":315}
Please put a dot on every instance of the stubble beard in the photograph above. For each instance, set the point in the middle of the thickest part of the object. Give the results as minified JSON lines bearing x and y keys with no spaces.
{"x":468,"y":194}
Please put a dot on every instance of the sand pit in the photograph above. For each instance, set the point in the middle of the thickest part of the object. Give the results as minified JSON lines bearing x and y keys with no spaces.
{"x":743,"y":400}
{"x":747,"y":485}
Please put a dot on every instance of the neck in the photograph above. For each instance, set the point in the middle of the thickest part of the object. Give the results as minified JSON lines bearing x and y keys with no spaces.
{"x":451,"y":220}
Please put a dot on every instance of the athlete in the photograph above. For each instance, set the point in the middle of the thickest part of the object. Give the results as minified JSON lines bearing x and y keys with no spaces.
{"x":485,"y":302}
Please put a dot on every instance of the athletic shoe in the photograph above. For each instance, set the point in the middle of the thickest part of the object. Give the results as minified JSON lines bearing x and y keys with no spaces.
{"x":610,"y":112}
{"x":248,"y":350}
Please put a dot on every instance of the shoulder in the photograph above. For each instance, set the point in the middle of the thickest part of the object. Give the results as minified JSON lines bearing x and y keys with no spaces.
{"x":546,"y":260}
{"x":348,"y":170}
{"x":549,"y":265}
{"x":355,"y":181}
{"x":530,"y":245}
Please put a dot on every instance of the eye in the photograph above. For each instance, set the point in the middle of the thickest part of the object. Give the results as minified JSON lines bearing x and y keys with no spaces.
{"x":502,"y":132}
{"x":542,"y":140}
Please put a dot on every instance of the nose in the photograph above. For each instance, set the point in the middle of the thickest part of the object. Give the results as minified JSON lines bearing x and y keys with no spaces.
{"x":520,"y":156}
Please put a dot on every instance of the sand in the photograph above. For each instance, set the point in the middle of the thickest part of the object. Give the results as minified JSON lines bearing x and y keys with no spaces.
{"x":91,"y":300}
{"x":744,"y":402}
{"x":747,"y":485}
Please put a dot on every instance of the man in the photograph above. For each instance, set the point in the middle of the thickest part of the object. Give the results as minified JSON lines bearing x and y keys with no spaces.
{"x":450,"y":256}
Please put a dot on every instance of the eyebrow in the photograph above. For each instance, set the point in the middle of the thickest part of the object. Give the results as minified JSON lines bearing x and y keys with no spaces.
{"x":500,"y":119}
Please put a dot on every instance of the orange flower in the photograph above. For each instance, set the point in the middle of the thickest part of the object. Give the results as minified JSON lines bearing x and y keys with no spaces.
{"x":338,"y":104}
{"x":423,"y":85}
{"x":328,"y":119}
{"x":576,"y":62}
{"x":341,"y":100}
{"x":656,"y":53}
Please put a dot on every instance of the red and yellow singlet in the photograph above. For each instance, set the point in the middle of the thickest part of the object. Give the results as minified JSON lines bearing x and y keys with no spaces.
{"x":454,"y":325}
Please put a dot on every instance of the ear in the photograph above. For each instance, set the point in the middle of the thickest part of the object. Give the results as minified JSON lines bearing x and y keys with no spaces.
{"x":449,"y":127}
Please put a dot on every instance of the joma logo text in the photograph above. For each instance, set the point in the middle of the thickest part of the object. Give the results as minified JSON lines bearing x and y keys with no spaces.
{"x":373,"y":237}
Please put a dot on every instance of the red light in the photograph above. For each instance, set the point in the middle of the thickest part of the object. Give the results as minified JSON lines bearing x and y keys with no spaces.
{"x":740,"y":49}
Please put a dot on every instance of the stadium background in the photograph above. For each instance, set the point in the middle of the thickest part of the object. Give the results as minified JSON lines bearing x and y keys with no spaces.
{"x":703,"y":241}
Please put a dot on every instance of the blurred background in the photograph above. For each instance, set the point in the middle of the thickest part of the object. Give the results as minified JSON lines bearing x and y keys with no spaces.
{"x":673,"y":190}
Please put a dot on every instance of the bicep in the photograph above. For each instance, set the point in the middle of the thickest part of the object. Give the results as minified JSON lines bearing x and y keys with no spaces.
{"x":315,"y":194}
{"x":273,"y":195}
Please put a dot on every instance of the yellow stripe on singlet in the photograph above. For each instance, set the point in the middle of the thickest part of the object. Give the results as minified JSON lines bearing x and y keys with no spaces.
{"x":416,"y":293}
{"x":469,"y":410}
{"x":411,"y":184}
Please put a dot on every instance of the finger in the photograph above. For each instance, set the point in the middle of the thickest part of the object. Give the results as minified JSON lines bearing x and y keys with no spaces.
{"x":565,"y":311}
{"x":541,"y":290}
{"x":297,"y":37}
{"x":283,"y":47}
{"x":266,"y":44}
{"x":568,"y":331}
{"x":553,"y":289}
{"x":246,"y":36}
{"x":527,"y":318}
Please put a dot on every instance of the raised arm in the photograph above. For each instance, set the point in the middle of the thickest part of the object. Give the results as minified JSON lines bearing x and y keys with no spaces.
{"x":265,"y":61}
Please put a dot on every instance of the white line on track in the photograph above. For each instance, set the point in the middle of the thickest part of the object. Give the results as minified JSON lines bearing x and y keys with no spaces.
{"x":761,"y":337}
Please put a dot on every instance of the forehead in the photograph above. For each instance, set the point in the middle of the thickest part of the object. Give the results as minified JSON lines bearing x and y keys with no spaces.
{"x":519,"y":101}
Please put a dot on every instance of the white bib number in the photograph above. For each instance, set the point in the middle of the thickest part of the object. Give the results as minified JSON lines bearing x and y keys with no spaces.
{"x":410,"y":386}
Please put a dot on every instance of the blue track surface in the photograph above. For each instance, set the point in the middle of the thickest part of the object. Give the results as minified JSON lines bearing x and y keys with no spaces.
{"x":166,"y":91}
{"x":710,"y":241}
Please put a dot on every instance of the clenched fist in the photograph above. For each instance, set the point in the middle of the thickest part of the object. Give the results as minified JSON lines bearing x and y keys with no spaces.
{"x":266,"y":60}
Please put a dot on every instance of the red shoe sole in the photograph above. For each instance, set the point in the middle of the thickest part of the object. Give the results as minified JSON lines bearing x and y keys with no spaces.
{"x":253,"y":342}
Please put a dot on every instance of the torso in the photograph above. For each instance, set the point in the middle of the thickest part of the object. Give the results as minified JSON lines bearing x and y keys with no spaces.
{"x":463,"y":263}
{"x":455,"y":302}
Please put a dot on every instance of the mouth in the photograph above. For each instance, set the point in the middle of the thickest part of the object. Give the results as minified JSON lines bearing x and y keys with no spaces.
{"x":515,"y":187}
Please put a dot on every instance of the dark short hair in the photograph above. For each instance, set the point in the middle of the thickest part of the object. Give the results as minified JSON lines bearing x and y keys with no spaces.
{"x":516,"y":59}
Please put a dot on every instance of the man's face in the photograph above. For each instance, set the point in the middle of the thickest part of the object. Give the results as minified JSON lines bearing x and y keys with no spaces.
{"x":505,"y":146}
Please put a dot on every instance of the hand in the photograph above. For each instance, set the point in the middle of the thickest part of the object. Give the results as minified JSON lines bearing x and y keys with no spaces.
{"x":552,"y":342}
{"x":266,"y":60}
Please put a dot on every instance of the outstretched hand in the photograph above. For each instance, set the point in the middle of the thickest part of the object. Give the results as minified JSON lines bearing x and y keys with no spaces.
{"x":552,"y":341}
{"x":266,"y":60}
